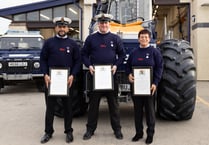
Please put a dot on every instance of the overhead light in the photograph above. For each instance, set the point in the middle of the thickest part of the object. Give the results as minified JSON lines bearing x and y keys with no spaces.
{"x":73,"y":11}
{"x":205,"y":4}
{"x":45,"y":17}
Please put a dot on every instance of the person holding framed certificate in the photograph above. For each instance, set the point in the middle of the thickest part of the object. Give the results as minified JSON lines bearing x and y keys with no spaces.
{"x":144,"y":69}
{"x":103,"y":51}
{"x":60,"y":62}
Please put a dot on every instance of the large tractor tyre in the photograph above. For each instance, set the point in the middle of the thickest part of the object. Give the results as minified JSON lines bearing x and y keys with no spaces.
{"x":79,"y":105}
{"x":177,"y":89}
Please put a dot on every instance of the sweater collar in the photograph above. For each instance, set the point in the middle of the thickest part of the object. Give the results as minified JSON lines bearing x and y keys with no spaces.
{"x":65,"y":37}
{"x":103,"y":33}
{"x":144,"y":47}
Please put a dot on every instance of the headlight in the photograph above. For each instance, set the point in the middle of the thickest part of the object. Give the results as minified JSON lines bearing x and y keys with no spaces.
{"x":1,"y":65}
{"x":36,"y":64}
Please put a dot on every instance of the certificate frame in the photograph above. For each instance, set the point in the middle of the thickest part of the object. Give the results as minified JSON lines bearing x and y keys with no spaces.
{"x":58,"y":85}
{"x":103,"y":78}
{"x":142,"y":81}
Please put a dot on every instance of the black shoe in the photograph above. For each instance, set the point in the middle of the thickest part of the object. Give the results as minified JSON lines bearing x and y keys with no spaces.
{"x":118,"y":134}
{"x":46,"y":138}
{"x":149,"y":140}
{"x":137,"y":137}
{"x":69,"y":137}
{"x":87,"y":135}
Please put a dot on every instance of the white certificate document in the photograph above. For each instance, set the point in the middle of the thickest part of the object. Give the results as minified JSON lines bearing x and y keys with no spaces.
{"x":59,"y":79}
{"x":103,"y":77}
{"x":142,"y":81}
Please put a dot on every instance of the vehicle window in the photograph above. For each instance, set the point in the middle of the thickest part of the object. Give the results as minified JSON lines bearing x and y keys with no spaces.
{"x":21,"y":43}
{"x":124,"y":10}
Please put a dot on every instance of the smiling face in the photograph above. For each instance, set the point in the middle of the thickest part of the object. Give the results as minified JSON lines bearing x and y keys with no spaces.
{"x":103,"y":26}
{"x":144,"y":38}
{"x":62,"y":30}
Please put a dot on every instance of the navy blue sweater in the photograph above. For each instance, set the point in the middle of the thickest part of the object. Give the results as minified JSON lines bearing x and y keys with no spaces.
{"x":58,"y":52}
{"x":146,"y":57}
{"x":103,"y":49}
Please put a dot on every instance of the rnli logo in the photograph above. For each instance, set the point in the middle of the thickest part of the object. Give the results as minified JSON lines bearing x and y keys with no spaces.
{"x":103,"y":46}
{"x":62,"y":49}
{"x":140,"y":59}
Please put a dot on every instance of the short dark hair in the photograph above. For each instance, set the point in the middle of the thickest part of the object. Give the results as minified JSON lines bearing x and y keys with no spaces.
{"x":144,"y":31}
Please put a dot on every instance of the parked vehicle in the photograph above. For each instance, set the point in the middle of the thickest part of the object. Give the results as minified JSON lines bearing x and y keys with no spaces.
{"x":176,"y":94}
{"x":19,"y":58}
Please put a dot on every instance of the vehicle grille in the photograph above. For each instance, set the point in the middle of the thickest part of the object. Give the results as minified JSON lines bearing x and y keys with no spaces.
{"x":18,"y":67}
{"x":123,"y":84}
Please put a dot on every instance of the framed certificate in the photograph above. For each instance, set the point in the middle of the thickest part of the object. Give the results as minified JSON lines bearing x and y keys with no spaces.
{"x":103,"y":78}
{"x":142,"y":80}
{"x":59,"y":82}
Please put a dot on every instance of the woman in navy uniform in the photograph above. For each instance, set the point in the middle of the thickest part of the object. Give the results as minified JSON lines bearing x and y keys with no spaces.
{"x":145,"y":55}
{"x":103,"y":47}
{"x":59,"y":51}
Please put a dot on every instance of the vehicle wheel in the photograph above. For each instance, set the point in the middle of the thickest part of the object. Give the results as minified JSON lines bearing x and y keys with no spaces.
{"x":1,"y":84}
{"x":177,"y":89}
{"x":79,"y":105}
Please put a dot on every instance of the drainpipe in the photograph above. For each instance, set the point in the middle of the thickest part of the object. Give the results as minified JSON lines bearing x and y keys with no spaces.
{"x":81,"y":19}
{"x":189,"y":23}
{"x":165,"y":28}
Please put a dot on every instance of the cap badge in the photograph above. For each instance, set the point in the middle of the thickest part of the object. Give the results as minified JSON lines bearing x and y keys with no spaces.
{"x":62,"y":19}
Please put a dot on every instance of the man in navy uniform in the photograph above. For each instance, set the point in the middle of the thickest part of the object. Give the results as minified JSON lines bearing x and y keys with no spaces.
{"x":103,"y":47}
{"x":59,"y":51}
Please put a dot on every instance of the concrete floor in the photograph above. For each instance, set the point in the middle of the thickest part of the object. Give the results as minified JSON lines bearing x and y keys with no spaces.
{"x":22,"y":122}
